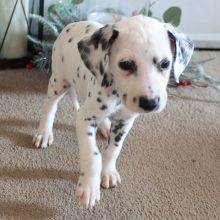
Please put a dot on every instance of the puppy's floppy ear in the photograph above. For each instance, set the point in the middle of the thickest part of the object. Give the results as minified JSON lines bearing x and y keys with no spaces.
{"x":94,"y":51}
{"x":182,"y":49}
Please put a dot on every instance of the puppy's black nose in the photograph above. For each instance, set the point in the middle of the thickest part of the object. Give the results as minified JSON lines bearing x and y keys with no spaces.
{"x":149,"y":104}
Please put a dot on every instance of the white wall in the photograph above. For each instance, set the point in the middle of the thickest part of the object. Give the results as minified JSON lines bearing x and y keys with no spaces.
{"x":200,"y":18}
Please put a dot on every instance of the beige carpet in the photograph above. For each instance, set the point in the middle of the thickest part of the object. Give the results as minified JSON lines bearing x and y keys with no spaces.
{"x":170,"y":162}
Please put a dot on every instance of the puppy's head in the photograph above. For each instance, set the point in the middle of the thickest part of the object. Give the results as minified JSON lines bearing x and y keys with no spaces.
{"x":136,"y":56}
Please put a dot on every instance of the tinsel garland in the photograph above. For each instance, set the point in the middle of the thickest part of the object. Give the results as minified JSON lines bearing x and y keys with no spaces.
{"x":61,"y":14}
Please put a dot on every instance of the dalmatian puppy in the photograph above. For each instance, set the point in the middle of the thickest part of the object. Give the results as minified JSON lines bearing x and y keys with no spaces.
{"x":116,"y":72}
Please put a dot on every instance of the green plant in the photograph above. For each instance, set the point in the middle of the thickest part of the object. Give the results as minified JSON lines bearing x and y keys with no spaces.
{"x":171,"y":15}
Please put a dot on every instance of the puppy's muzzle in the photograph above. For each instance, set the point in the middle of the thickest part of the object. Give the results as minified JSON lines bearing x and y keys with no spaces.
{"x":149,"y":104}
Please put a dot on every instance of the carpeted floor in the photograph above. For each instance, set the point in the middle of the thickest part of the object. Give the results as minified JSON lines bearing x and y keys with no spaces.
{"x":170,"y":162}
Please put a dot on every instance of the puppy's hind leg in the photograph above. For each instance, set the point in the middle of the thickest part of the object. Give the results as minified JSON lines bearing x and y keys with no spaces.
{"x":56,"y":91}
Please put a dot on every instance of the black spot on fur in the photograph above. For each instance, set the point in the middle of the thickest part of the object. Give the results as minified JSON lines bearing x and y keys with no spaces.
{"x":94,"y":125}
{"x":134,"y":99}
{"x":67,"y":30}
{"x":93,"y":117}
{"x":114,"y":92}
{"x":55,"y":92}
{"x":118,"y":127}
{"x":87,"y":119}
{"x":54,"y":80}
{"x":74,"y":81}
{"x":96,"y":153}
{"x":103,"y":107}
{"x":118,"y":136}
{"x":101,"y":68}
{"x":64,"y":86}
{"x":82,"y":174}
{"x":89,"y":94}
{"x":99,"y":100}
{"x":116,"y":144}
{"x":90,"y":133}
{"x":99,"y":92}
{"x":84,"y":77}
{"x":70,"y":40}
{"x":62,"y":59}
{"x":79,"y":184}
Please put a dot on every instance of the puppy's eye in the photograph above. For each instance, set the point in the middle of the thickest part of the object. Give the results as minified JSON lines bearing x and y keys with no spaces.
{"x":127,"y":65}
{"x":164,"y":64}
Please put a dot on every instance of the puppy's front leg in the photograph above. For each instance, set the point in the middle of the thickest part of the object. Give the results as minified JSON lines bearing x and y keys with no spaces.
{"x":88,"y":187}
{"x":121,"y":125}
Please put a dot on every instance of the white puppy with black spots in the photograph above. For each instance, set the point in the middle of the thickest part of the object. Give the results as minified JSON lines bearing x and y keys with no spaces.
{"x":117,"y":72}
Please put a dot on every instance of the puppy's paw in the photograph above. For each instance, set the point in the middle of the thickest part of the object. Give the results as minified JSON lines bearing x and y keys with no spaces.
{"x":104,"y":127}
{"x":110,"y":178}
{"x":88,"y":191}
{"x":43,"y":140}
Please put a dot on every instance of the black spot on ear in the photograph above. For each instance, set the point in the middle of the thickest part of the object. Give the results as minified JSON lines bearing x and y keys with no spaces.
{"x":107,"y":80}
{"x":113,"y":37}
{"x":96,"y":38}
{"x":99,"y":38}
{"x":67,"y":30}
{"x":84,"y":51}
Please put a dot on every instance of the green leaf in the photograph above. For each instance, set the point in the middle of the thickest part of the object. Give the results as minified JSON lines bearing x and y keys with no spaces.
{"x":52,"y":9}
{"x":172,"y":15}
{"x":143,"y":11}
{"x":150,"y":13}
{"x":75,"y":2}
